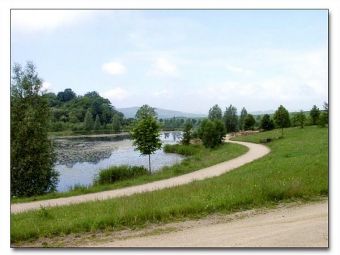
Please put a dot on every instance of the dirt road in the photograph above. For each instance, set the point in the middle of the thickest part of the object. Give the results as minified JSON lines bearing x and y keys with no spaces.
{"x":255,"y":151}
{"x":288,"y":226}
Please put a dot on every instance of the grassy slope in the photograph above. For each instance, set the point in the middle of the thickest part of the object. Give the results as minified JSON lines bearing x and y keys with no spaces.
{"x":202,"y":158}
{"x":297,"y":168}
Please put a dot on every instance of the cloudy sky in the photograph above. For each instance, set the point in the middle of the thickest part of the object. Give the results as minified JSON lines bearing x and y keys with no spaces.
{"x":180,"y":60}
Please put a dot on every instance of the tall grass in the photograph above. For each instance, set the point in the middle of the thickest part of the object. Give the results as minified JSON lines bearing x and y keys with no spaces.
{"x":118,"y":173}
{"x":296,"y":169}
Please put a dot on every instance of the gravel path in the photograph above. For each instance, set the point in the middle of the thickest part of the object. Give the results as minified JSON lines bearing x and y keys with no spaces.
{"x":255,"y":151}
{"x":296,"y":226}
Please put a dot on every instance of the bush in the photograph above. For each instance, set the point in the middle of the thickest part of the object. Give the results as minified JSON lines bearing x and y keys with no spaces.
{"x":186,"y":150}
{"x":118,"y":173}
{"x":211,"y":133}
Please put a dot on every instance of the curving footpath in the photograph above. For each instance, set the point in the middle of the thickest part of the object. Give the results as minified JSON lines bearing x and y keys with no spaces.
{"x":255,"y":151}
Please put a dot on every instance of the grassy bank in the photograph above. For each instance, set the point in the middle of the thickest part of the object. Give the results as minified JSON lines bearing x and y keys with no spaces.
{"x":296,"y":169}
{"x":200,"y":158}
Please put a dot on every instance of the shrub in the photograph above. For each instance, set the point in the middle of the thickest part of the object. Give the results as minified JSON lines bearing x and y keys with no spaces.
{"x":117,"y":173}
{"x":211,"y":133}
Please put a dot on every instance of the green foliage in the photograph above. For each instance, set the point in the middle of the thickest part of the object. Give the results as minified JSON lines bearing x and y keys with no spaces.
{"x":97,"y":123}
{"x":145,"y":111}
{"x":249,"y":122}
{"x":242,"y":118}
{"x":314,"y":114}
{"x":32,"y":156}
{"x":185,"y":150}
{"x":281,"y":118}
{"x":267,"y":123}
{"x":211,"y":132}
{"x":323,"y":119}
{"x":88,"y":122}
{"x":116,"y":125}
{"x":66,"y":95}
{"x":187,"y":134}
{"x":215,"y":113}
{"x":118,"y":173}
{"x":145,"y":135}
{"x":301,"y":118}
{"x":231,"y":119}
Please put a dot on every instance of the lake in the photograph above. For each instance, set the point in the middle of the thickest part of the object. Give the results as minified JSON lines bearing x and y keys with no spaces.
{"x":79,"y":159}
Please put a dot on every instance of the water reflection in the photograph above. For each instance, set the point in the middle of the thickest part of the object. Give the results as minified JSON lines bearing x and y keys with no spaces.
{"x":80,"y":159}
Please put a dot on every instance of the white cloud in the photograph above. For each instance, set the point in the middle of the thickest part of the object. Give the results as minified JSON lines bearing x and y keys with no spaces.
{"x":114,"y":68}
{"x":46,"y":86}
{"x":163,"y":66}
{"x":163,"y":93}
{"x":116,"y":94}
{"x":44,"y":20}
{"x":238,"y":70}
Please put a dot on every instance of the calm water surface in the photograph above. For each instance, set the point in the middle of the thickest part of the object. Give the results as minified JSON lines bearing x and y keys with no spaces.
{"x":80,"y":159}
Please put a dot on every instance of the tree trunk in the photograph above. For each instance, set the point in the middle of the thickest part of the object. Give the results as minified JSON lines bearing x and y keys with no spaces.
{"x":282,"y":132}
{"x":149,"y":164}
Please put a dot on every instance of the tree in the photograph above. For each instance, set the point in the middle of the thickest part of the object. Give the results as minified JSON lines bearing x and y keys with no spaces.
{"x":301,"y":118}
{"x":145,"y":135}
{"x":66,"y":95}
{"x":215,"y":113}
{"x":281,"y":118}
{"x":144,"y":111}
{"x":187,"y":133}
{"x":323,"y":119}
{"x":242,"y":118}
{"x":267,"y":123}
{"x":97,"y":123}
{"x":32,"y":155}
{"x":249,"y":122}
{"x":88,"y":121}
{"x":116,"y":124}
{"x":314,"y":114}
{"x":230,"y":119}
{"x":211,"y":132}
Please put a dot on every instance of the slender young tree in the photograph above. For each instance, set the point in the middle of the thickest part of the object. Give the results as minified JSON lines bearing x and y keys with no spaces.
{"x":88,"y":121}
{"x":231,"y":119}
{"x":314,"y":114}
{"x":97,"y":123}
{"x":116,"y":125}
{"x":32,"y":155}
{"x":146,"y":136}
{"x":215,"y":113}
{"x":281,"y":118}
{"x":301,"y":118}
{"x":242,"y":118}
{"x":187,"y":134}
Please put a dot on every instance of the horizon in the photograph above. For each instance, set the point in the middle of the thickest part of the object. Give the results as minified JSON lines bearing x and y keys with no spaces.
{"x":255,"y":59}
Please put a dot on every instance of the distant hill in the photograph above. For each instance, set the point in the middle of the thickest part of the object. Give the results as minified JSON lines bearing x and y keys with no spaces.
{"x":262,"y":112}
{"x":130,"y":112}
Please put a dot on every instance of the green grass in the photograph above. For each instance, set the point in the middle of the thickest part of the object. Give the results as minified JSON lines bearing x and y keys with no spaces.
{"x":296,"y":169}
{"x":201,"y":158}
{"x":117,"y":173}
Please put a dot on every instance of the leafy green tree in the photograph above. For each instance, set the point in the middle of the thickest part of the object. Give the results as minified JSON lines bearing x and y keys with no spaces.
{"x":242,"y":118}
{"x":215,"y":113}
{"x":146,"y":135}
{"x":267,"y":123}
{"x":187,"y":134}
{"x":314,"y":114}
{"x":211,"y":132}
{"x":144,"y":111}
{"x":88,"y":121}
{"x":32,"y":155}
{"x":116,"y":124}
{"x":66,"y":95}
{"x":301,"y":118}
{"x":281,"y":118}
{"x":231,"y":119}
{"x":97,"y":123}
{"x":323,"y":119}
{"x":249,"y":122}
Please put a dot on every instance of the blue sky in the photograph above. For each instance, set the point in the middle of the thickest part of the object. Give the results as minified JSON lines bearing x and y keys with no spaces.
{"x":180,"y":60}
